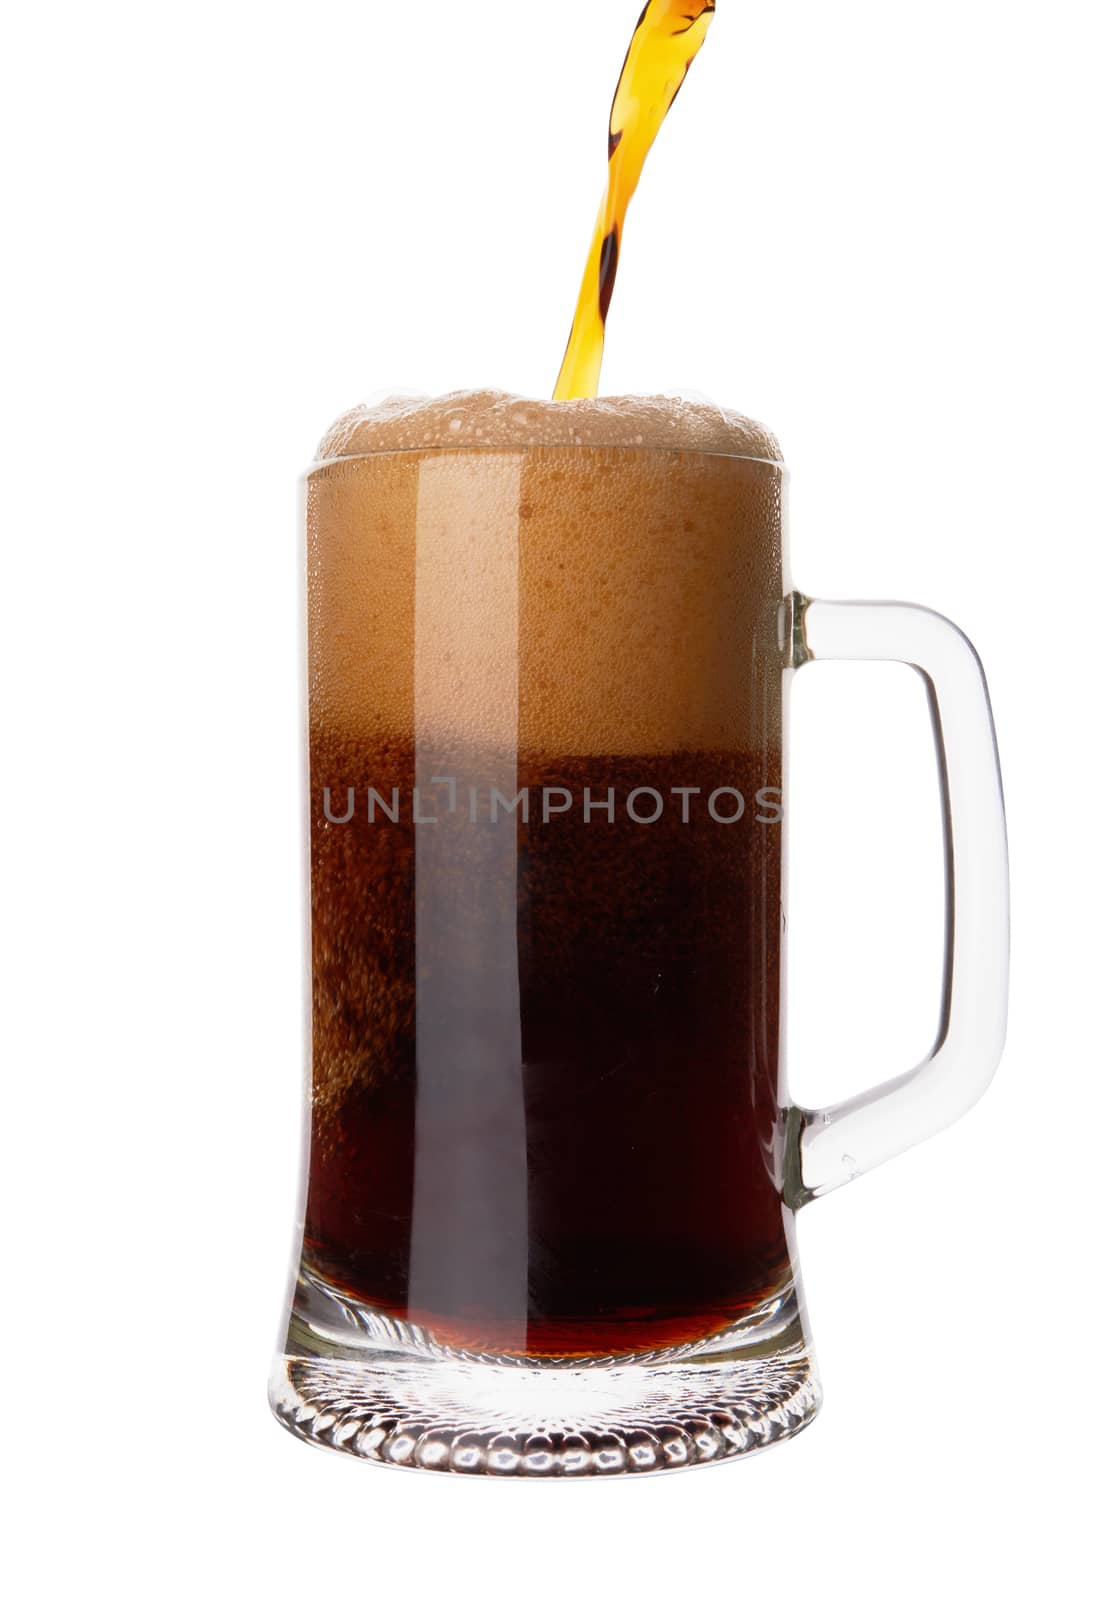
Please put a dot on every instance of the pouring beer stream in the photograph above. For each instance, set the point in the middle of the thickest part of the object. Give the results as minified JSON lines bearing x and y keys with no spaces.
{"x":668,"y":37}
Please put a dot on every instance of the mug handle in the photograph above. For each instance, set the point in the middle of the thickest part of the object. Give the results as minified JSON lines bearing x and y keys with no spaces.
{"x":832,"y":1146}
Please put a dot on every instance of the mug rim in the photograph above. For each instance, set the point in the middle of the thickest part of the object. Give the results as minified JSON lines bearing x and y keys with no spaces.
{"x":320,"y":462}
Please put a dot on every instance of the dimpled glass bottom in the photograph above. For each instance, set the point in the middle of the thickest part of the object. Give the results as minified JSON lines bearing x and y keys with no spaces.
{"x":376,"y":1388}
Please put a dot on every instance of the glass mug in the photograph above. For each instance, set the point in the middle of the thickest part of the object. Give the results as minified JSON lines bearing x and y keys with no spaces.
{"x":553,"y":1166}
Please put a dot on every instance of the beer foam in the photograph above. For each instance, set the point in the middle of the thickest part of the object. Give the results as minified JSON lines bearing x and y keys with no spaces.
{"x":491,"y":419}
{"x":591,"y":577}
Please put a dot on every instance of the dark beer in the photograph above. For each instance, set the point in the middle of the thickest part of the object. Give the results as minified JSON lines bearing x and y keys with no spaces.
{"x":546,"y":874}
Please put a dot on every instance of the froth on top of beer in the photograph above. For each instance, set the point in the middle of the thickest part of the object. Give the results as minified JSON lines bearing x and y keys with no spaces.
{"x":493,"y":420}
{"x":589,"y":600}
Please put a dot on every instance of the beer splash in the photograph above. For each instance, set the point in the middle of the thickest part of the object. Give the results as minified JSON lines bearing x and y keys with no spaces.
{"x":668,"y":37}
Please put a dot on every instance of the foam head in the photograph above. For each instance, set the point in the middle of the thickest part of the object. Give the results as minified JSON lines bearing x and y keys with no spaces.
{"x":491,"y":419}
{"x":584,"y":576}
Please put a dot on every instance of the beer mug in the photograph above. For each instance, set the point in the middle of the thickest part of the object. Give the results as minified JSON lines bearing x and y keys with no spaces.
{"x":553,"y":1166}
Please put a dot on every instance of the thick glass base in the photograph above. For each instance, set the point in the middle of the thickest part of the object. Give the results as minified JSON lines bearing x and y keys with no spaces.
{"x":384,"y":1390}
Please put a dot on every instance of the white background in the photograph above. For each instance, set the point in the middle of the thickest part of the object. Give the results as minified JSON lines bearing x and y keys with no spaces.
{"x":871,"y":226}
